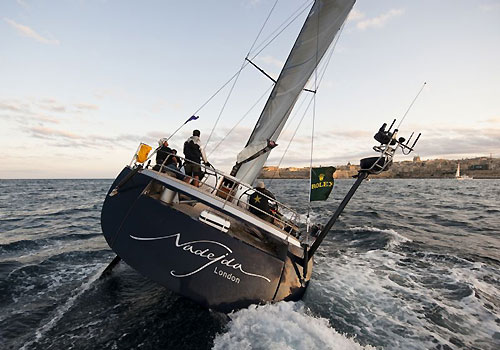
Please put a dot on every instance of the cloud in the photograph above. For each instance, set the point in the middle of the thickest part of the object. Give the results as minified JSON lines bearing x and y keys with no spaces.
{"x":355,"y":15}
{"x":44,"y":132}
{"x":339,"y":147}
{"x":493,"y":6}
{"x":23,"y":4}
{"x":494,"y":120}
{"x":51,"y":105}
{"x":378,"y":21}
{"x":460,"y":143}
{"x":41,"y":110}
{"x":30,"y":33}
{"x":11,"y":107}
{"x":86,"y":106}
{"x":64,"y":139}
{"x":46,"y":104}
{"x":23,"y":112}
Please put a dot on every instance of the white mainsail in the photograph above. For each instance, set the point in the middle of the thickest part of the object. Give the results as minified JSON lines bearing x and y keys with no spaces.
{"x":322,"y":24}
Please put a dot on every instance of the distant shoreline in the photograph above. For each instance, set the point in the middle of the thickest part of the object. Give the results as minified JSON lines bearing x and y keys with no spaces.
{"x":478,"y":168}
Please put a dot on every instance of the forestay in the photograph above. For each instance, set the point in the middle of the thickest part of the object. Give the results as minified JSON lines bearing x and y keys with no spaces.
{"x":322,"y":24}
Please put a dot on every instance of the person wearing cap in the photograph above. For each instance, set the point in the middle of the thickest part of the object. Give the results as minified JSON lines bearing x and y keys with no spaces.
{"x":259,"y":201}
{"x":163,"y":156}
{"x":194,"y":154}
{"x":166,"y":161}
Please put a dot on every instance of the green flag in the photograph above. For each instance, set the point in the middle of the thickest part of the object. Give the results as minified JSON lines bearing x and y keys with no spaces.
{"x":321,"y":183}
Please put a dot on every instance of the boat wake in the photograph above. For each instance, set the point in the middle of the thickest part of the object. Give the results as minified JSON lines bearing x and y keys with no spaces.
{"x":405,"y":297}
{"x":284,"y":325}
{"x":395,"y":239}
{"x":62,"y":309}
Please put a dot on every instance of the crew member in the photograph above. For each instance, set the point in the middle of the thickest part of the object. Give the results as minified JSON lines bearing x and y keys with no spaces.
{"x":194,"y":154}
{"x":175,"y":165}
{"x":166,"y":161}
{"x":259,"y":202}
{"x":163,"y":156}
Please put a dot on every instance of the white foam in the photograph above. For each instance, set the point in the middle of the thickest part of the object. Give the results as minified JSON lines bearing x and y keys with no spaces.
{"x":60,"y":311}
{"x":395,"y":297}
{"x":396,"y":238}
{"x":314,"y":217}
{"x":284,"y":325}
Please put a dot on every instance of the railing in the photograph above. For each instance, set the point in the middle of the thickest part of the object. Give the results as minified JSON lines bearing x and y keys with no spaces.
{"x":230,"y":195}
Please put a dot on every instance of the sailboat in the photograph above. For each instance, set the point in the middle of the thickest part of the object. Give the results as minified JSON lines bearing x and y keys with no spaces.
{"x":205,"y":243}
{"x":461,"y":177}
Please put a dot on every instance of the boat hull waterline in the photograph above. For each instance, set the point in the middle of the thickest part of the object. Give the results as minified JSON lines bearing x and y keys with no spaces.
{"x":193,"y":259}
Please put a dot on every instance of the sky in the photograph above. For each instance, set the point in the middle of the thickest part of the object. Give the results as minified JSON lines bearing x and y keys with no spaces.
{"x":83,"y":82}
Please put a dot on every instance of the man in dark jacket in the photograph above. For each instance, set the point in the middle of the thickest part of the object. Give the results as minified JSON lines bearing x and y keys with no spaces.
{"x":166,"y":161}
{"x":163,"y":155}
{"x":194,"y":154}
{"x":259,"y":202}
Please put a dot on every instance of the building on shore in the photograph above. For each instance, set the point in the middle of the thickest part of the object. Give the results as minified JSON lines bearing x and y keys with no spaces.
{"x":479,"y":168}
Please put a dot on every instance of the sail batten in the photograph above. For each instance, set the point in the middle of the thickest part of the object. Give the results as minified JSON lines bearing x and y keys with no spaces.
{"x":320,"y":28}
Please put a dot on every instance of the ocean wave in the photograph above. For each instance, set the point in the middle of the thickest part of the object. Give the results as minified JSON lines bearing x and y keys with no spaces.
{"x":398,"y":294}
{"x":63,"y":308}
{"x":395,"y":238}
{"x":284,"y":325}
{"x":403,"y":279}
{"x":20,"y":245}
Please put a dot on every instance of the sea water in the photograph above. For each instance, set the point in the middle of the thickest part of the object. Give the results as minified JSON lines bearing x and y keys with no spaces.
{"x":411,"y":264}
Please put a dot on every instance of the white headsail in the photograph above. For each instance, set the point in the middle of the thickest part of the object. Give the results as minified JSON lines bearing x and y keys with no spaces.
{"x":322,"y":24}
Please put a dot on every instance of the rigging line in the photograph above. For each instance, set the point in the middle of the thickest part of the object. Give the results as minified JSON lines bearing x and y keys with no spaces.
{"x":290,"y":120}
{"x":306,"y":5}
{"x":323,"y":71}
{"x":404,"y":116}
{"x":313,"y":118}
{"x":281,"y":31}
{"x":225,"y":103}
{"x":262,"y":28}
{"x":288,"y":124}
{"x":219,"y":90}
{"x":238,"y":75}
{"x":325,"y":66}
{"x":261,"y":70}
{"x":295,"y":13}
{"x":322,"y":74}
{"x":293,"y":136}
{"x":238,"y":72}
{"x":326,"y":62}
{"x":244,"y":116}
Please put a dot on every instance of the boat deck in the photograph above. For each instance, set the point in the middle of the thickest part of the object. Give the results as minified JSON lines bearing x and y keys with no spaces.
{"x":193,"y":201}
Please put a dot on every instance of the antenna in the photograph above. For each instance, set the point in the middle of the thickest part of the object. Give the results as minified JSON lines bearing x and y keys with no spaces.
{"x":411,"y":104}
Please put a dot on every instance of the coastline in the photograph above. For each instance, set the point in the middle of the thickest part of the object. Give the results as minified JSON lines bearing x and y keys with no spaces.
{"x":478,"y":168}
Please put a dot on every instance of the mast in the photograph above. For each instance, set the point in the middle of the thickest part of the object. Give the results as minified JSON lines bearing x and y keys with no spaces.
{"x":322,"y":24}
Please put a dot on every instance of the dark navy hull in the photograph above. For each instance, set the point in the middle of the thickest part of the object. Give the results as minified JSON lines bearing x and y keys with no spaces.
{"x":189,"y":257}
